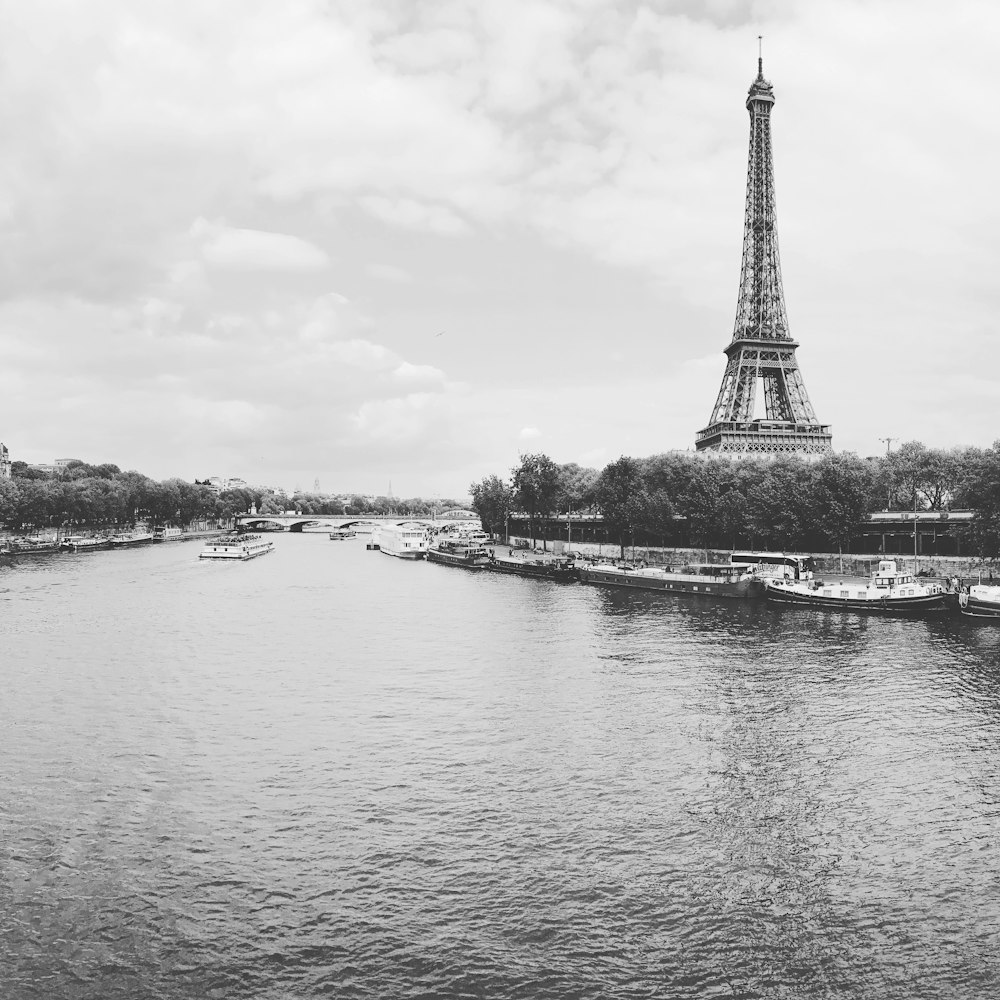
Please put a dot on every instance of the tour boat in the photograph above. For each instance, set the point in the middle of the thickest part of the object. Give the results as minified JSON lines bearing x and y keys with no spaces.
{"x":405,"y":541}
{"x":703,"y":579}
{"x":126,"y":539}
{"x":342,"y":534}
{"x":980,"y":601}
{"x":459,"y":552}
{"x":241,"y":547}
{"x":890,"y":591}
{"x":558,"y":568}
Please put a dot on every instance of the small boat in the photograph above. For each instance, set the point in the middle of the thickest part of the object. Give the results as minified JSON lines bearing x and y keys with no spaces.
{"x":890,"y":591}
{"x":84,"y":543}
{"x":980,"y":601}
{"x":342,"y":534}
{"x":165,"y":534}
{"x":558,"y":568}
{"x":459,"y":552}
{"x":704,"y":579}
{"x":241,"y":547}
{"x":126,"y":539}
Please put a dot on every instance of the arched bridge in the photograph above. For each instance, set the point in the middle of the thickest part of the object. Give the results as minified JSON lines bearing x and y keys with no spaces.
{"x":299,"y":522}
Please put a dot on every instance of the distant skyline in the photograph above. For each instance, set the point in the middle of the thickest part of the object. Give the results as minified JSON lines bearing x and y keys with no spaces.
{"x":364,"y":242}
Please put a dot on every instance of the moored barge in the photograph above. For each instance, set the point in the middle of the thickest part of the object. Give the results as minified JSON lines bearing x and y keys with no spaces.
{"x":732,"y":580}
{"x":459,"y":552}
{"x":890,"y":592}
{"x":558,"y":568}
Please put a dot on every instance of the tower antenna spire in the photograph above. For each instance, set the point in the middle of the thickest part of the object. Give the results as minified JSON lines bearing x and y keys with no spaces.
{"x":760,"y":55}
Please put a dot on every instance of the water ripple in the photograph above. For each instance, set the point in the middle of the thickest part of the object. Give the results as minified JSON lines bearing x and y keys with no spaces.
{"x":326,"y":772}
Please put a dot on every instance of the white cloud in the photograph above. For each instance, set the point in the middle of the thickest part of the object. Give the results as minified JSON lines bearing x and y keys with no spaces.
{"x":411,"y":214}
{"x":389,"y":272}
{"x":475,"y":146}
{"x":252,"y":249}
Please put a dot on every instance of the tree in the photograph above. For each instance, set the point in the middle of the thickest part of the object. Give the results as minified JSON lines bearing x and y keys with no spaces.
{"x":621,"y":497}
{"x":576,"y":487}
{"x":842,"y":496}
{"x":781,"y":506}
{"x":980,"y":492}
{"x":10,"y":498}
{"x":700,"y":501}
{"x":492,"y":500}
{"x":536,"y":487}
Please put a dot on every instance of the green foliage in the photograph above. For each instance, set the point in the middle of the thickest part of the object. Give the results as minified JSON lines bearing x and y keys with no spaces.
{"x":620,"y":495}
{"x":789,"y":503}
{"x":536,"y":483}
{"x":99,"y":496}
{"x":492,"y":500}
{"x":576,"y":487}
{"x":979,"y":491}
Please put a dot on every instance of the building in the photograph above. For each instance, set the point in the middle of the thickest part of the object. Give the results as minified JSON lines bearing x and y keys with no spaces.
{"x":220,"y":483}
{"x":761,"y":353}
{"x":4,"y":462}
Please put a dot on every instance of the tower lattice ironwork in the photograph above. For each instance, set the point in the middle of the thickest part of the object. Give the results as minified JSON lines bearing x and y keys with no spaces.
{"x":762,"y":350}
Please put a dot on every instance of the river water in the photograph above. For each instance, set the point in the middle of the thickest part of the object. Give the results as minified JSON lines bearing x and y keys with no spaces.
{"x":327,"y":772}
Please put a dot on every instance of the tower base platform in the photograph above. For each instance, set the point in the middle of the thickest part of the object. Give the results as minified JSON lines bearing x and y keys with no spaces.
{"x":765,"y":439}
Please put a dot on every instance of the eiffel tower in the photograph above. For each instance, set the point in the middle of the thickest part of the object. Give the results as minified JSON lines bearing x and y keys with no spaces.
{"x":762,"y":349}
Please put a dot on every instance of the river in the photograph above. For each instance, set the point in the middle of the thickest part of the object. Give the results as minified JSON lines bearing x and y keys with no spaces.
{"x":327,"y":772}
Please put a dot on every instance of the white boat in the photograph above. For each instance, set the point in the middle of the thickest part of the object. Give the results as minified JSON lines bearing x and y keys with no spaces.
{"x":165,"y":534}
{"x":240,"y":547}
{"x":342,"y":534}
{"x":980,"y":601}
{"x":405,"y":541}
{"x":890,"y":591}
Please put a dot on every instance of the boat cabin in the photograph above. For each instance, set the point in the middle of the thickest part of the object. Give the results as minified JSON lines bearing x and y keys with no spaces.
{"x":776,"y":565}
{"x":888,"y":576}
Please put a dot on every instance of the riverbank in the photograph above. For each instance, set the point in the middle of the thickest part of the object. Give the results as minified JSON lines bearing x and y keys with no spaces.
{"x":829,"y":564}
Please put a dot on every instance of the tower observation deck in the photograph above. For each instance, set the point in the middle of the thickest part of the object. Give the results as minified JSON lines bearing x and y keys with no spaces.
{"x":762,"y":351}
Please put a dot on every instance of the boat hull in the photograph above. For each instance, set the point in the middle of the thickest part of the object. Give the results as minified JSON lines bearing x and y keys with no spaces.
{"x":87,"y":545}
{"x":130,"y":541}
{"x":972,"y":605}
{"x":560,"y":572}
{"x":670,"y":583}
{"x":918,"y":604}
{"x":455,"y":559}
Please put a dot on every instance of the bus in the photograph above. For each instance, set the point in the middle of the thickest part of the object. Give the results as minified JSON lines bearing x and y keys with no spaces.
{"x":776,"y":565}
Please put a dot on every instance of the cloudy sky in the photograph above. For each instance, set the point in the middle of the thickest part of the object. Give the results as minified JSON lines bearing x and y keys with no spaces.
{"x":374,"y":241}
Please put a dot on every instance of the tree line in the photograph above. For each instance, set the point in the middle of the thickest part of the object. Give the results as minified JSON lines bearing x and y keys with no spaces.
{"x":98,"y":496}
{"x":787,"y":503}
